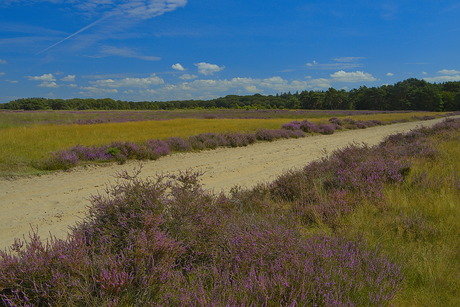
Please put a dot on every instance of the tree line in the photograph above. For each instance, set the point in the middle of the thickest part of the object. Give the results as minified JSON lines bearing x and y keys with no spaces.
{"x":410,"y":94}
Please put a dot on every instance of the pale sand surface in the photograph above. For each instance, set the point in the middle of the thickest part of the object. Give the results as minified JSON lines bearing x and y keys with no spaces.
{"x":53,"y":202}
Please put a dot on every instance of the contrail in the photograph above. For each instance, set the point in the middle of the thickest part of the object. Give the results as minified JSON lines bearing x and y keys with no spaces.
{"x":72,"y":35}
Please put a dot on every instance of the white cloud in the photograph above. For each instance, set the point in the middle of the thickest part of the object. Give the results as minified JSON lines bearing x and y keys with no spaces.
{"x":48,"y":84}
{"x":3,"y":61}
{"x":208,"y":88}
{"x":188,"y":77}
{"x":208,"y":69}
{"x":44,"y":77}
{"x":129,"y":82}
{"x":443,"y":78}
{"x":69,"y":78}
{"x":118,"y":14}
{"x":251,"y":89}
{"x":318,"y":84}
{"x":424,"y":73}
{"x":146,"y":9}
{"x":356,"y":76}
{"x":178,"y":67}
{"x":93,"y":91}
{"x":337,"y":63}
{"x":127,"y":53}
{"x":449,"y":72}
{"x":390,"y":74}
{"x":348,"y":59}
{"x":2,"y":73}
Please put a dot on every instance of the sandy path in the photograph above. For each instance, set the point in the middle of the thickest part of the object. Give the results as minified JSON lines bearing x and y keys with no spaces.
{"x":53,"y":202}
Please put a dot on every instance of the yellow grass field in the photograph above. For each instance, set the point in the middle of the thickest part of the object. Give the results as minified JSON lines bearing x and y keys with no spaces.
{"x":19,"y":146}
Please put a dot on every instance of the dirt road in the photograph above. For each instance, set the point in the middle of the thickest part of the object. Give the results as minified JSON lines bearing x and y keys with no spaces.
{"x":53,"y":202}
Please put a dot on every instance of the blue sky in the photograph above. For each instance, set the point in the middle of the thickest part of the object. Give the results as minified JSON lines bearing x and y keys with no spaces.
{"x":201,"y":49}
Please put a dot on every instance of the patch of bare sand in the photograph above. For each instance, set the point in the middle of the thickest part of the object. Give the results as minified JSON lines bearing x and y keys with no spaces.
{"x":52,"y":203}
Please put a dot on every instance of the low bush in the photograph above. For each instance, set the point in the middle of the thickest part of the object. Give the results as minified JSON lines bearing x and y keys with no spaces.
{"x":168,"y":242}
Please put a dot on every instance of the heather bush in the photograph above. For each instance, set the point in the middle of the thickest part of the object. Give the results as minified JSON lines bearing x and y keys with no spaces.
{"x":236,"y":139}
{"x":308,"y":127}
{"x":178,"y":144}
{"x":294,"y":125}
{"x":267,"y":135}
{"x":58,"y":160}
{"x":166,"y":241}
{"x":337,"y":122}
{"x":158,"y":148}
{"x":326,"y":128}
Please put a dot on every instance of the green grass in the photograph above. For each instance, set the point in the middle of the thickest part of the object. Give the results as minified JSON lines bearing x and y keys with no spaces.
{"x":419,"y":227}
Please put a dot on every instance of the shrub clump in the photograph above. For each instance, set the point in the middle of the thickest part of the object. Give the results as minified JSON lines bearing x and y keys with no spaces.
{"x":168,"y":242}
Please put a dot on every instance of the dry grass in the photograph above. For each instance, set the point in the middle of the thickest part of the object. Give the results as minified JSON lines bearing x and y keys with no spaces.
{"x":420,"y":229}
{"x":19,"y":146}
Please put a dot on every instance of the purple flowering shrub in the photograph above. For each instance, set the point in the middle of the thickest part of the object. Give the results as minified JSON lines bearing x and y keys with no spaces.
{"x":334,"y":124}
{"x":326,"y":189}
{"x":166,"y":241}
{"x":178,"y":144}
{"x":236,"y":139}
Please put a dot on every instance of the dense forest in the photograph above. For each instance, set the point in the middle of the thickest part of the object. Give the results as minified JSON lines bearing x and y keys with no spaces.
{"x":410,"y":94}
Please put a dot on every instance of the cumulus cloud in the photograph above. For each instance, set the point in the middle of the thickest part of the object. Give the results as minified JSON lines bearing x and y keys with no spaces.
{"x":69,"y":78}
{"x":44,"y":77}
{"x":356,"y":76}
{"x":390,"y":74}
{"x":188,"y":77}
{"x":208,"y":69}
{"x":93,"y":91}
{"x":443,"y":78}
{"x":48,"y":84}
{"x":449,"y":72}
{"x":178,"y":67}
{"x":127,"y":53}
{"x":129,"y":82}
{"x":208,"y":88}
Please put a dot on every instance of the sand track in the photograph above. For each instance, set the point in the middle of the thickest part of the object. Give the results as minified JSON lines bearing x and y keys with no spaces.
{"x":53,"y":202}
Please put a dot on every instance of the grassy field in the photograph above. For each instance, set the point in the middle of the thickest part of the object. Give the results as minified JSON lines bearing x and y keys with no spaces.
{"x":26,"y":137}
{"x":9,"y":119}
{"x":420,"y":227}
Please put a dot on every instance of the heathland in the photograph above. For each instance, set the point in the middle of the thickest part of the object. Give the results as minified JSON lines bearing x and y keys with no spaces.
{"x":29,"y":139}
{"x":365,"y":225}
